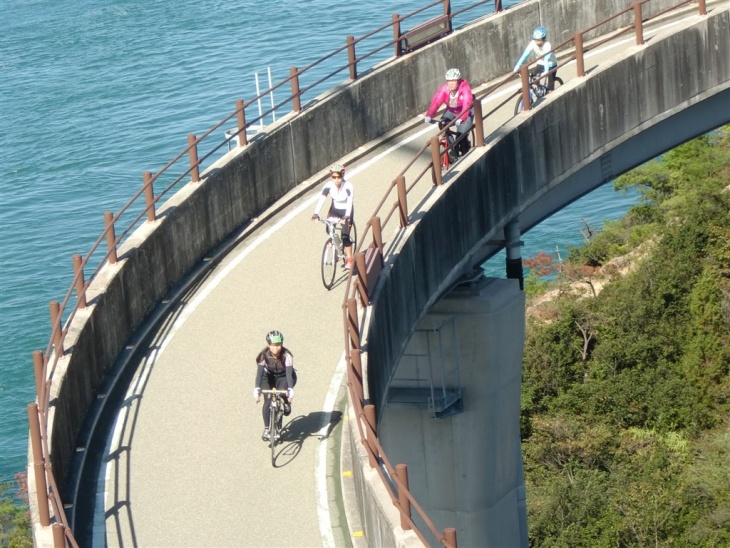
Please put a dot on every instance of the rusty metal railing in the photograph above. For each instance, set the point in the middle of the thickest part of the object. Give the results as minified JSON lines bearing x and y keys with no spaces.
{"x":362,"y":280}
{"x":50,"y":505}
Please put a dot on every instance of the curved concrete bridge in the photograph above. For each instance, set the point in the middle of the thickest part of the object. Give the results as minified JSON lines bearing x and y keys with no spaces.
{"x":185,"y":465}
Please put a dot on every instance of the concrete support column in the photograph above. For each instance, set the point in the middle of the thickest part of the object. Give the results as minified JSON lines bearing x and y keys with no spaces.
{"x":465,"y":470}
{"x":514,"y":256}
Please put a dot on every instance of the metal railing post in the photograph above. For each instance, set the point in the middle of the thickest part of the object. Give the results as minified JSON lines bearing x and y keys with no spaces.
{"x":241,"y":116}
{"x":111,"y":238}
{"x":579,"y":59}
{"x":396,"y":34}
{"x":59,"y":536}
{"x":39,"y":471}
{"x":497,"y":6}
{"x":377,"y":233}
{"x":450,"y":537}
{"x":370,"y":434}
{"x":352,"y":323}
{"x":525,"y":77}
{"x":400,"y":182}
{"x":401,"y":473}
{"x":703,"y":7}
{"x":436,"y":160}
{"x":479,"y":124}
{"x":56,"y":326}
{"x":356,"y":362}
{"x":296,"y":99}
{"x":79,"y":274}
{"x":362,"y":278}
{"x":149,"y":196}
{"x":40,"y":382}
{"x":351,"y":59}
{"x":193,"y":152}
{"x":638,"y":24}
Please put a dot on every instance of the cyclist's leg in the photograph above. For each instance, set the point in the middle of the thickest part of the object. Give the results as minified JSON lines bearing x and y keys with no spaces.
{"x":446,"y":118}
{"x":463,"y":130}
{"x":281,"y":384}
{"x":551,"y":80}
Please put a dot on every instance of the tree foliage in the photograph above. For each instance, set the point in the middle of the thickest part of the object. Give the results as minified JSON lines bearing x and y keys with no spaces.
{"x":626,"y":392}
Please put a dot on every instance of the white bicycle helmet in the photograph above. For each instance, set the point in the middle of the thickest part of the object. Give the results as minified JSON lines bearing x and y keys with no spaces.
{"x":453,"y":74}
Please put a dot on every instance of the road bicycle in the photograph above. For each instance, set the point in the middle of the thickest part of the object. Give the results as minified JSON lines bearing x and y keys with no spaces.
{"x":538,"y":89}
{"x":333,"y":253}
{"x":449,"y":153}
{"x":275,"y":399}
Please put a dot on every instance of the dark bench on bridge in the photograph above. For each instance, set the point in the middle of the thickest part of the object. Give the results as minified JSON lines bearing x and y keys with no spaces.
{"x":425,"y":33}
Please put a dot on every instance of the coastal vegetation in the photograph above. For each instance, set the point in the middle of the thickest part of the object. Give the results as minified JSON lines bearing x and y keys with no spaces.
{"x":626,"y":377}
{"x":15,"y":531}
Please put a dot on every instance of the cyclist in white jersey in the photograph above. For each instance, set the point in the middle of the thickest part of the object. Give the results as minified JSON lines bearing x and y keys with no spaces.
{"x":342,"y":193}
{"x":540,"y":46}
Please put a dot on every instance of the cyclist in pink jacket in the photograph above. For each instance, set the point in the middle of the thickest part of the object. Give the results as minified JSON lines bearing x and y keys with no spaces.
{"x":456,"y":94}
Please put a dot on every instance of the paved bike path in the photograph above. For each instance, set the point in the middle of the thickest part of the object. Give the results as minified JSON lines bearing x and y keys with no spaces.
{"x":188,"y":466}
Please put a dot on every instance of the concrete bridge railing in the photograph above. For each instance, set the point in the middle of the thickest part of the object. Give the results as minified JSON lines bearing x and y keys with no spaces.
{"x":659,"y":95}
{"x":231,"y":193}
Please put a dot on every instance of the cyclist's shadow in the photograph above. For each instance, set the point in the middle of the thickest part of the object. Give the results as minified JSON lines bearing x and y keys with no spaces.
{"x":317,"y":424}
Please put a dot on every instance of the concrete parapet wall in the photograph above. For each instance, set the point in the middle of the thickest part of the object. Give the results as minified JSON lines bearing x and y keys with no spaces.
{"x":567,"y":142}
{"x":249,"y":180}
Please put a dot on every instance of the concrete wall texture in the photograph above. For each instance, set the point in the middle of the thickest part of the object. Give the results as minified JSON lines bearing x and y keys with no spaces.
{"x":248,"y":180}
{"x":466,"y":469}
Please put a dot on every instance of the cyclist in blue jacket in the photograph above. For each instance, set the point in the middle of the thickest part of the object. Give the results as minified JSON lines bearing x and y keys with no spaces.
{"x":539,"y":46}
{"x":275,"y":369}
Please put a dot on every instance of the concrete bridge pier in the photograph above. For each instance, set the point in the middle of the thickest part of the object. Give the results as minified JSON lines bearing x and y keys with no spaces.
{"x":453,"y":413}
{"x":512,"y":245}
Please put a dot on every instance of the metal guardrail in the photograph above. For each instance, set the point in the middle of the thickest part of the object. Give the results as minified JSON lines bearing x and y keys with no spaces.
{"x":50,"y":506}
{"x":369,"y":263}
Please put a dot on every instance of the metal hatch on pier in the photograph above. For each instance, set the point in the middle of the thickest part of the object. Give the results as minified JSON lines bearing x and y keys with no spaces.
{"x":428,"y":377}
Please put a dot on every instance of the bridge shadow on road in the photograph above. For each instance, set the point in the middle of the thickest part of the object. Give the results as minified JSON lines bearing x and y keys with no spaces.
{"x":317,"y":424}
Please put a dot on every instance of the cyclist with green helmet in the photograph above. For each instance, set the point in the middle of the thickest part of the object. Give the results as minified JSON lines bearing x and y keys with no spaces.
{"x":456,"y":94}
{"x":275,"y":369}
{"x":538,"y":47}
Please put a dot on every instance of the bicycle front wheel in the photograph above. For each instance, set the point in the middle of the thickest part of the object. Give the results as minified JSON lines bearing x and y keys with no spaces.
{"x":329,"y":263}
{"x":273,"y":431}
{"x":558,"y":82}
{"x":519,"y":105}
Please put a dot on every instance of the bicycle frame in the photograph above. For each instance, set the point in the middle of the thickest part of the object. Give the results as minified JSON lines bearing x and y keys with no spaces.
{"x":275,"y":399}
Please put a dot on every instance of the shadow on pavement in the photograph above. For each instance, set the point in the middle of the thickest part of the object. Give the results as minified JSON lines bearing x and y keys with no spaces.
{"x":317,"y":424}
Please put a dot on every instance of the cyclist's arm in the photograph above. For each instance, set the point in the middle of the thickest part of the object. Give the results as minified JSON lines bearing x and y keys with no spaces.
{"x":525,"y":55}
{"x":289,"y":369}
{"x":350,"y":197}
{"x":436,"y":102}
{"x":320,"y":202}
{"x":259,"y":375}
{"x":468,"y":98}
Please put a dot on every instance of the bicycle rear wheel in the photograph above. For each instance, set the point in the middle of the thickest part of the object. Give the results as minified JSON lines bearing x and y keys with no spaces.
{"x":329,"y":263}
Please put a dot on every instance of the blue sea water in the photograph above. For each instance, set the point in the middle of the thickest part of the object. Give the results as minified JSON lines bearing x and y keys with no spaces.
{"x":94,"y":92}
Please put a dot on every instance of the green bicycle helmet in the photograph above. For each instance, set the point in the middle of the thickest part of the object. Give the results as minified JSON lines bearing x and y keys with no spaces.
{"x":338,"y":168}
{"x":274,"y":337}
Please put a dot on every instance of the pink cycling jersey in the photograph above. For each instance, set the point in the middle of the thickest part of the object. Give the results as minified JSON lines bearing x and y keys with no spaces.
{"x":455,"y":103}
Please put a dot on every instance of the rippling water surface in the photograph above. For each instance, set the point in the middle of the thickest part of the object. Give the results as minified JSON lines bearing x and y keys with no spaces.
{"x":93,"y":93}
